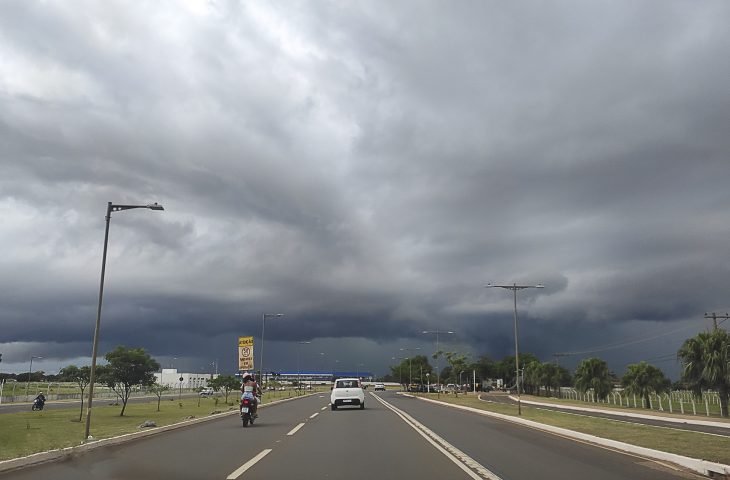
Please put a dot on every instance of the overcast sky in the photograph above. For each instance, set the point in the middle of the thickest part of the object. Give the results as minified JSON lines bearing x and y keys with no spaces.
{"x":364,"y":168}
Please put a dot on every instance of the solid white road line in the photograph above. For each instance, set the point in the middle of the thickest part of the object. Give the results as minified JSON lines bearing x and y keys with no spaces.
{"x":247,"y":465}
{"x":295,"y":429}
{"x":314,"y":415}
{"x":470,"y":466}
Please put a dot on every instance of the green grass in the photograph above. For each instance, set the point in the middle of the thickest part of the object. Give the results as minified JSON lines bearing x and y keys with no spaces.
{"x":29,"y":432}
{"x":676,"y":411}
{"x":690,"y":444}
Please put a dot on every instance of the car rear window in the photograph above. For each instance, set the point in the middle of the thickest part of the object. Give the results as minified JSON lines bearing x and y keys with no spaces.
{"x":346,"y":384}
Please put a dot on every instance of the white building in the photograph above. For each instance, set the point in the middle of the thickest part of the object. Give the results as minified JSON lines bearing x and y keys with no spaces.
{"x":173,"y":379}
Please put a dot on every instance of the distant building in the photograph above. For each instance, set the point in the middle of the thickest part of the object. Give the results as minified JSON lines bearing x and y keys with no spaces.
{"x":317,"y":377}
{"x":171,"y":377}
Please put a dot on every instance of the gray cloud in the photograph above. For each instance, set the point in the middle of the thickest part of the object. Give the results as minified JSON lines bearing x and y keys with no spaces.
{"x":365,"y":169}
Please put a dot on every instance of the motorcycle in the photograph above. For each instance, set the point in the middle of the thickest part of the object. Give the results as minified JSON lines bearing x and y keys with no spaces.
{"x":37,"y":404}
{"x":248,"y":411}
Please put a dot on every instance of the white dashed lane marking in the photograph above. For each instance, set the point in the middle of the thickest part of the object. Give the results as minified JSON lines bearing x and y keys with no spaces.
{"x":247,"y":465}
{"x":295,"y":429}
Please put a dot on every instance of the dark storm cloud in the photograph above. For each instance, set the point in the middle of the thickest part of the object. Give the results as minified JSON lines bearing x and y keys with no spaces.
{"x":366,"y":169}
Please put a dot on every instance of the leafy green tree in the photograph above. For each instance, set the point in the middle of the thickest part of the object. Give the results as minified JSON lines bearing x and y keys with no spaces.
{"x":485,"y":368}
{"x":643,"y":379}
{"x":506,"y":367}
{"x":158,"y":390}
{"x":706,"y":364}
{"x":396,"y":371}
{"x":227,"y":383}
{"x":457,"y":363}
{"x":593,"y":374}
{"x":80,"y":376}
{"x":127,"y":368}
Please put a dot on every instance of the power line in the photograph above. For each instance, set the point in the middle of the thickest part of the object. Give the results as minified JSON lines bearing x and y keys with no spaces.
{"x":612,"y":346}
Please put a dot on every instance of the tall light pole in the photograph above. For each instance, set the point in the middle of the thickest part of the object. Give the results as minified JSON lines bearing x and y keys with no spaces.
{"x":410,"y":377}
{"x":30,"y":369}
{"x":261,"y":358}
{"x":438,"y":356}
{"x":299,"y":370}
{"x":358,"y":370}
{"x":514,"y":287}
{"x":92,"y":374}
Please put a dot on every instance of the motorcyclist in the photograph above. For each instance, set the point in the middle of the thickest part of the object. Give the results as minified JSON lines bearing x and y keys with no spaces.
{"x":41,"y":399}
{"x":250,"y":389}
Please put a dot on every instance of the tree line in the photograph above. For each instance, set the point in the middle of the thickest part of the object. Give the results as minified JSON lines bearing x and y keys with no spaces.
{"x":705,"y":361}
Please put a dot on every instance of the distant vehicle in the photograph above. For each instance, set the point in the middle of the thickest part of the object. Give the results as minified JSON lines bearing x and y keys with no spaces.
{"x":347,"y":392}
{"x":207,"y":392}
{"x":379,"y":387}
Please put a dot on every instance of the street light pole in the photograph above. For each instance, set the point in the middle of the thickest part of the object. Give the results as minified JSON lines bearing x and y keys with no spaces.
{"x":263,"y":326}
{"x":30,"y":369}
{"x":438,"y":368}
{"x":92,"y":374}
{"x":299,"y":370}
{"x":514,"y":287}
{"x":410,"y":377}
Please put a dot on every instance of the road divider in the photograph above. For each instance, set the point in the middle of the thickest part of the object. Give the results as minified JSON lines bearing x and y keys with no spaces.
{"x":314,"y":415}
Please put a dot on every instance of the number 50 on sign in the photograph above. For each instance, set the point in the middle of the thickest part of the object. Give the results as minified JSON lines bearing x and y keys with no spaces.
{"x":245,"y":353}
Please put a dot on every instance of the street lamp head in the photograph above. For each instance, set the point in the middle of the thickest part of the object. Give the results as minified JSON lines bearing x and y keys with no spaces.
{"x":155,"y":206}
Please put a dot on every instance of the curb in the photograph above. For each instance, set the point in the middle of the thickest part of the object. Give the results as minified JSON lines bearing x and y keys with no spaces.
{"x":696,"y":465}
{"x":54,"y":455}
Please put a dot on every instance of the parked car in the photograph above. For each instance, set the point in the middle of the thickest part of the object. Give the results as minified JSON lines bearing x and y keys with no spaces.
{"x":207,"y":392}
{"x":347,"y":392}
{"x":379,"y":387}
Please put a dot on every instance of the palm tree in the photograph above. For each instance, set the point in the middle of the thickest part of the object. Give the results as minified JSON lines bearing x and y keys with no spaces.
{"x":643,"y":379}
{"x":705,"y":364}
{"x":592,"y":373}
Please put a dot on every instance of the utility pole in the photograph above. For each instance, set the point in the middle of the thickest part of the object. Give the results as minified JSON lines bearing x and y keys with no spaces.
{"x":514,"y":287}
{"x":715,"y":316}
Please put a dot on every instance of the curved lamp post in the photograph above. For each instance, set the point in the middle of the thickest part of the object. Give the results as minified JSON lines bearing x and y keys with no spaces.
{"x":438,"y":368}
{"x":410,"y":376}
{"x":263,"y":326}
{"x":92,"y":375}
{"x":514,"y":287}
{"x":30,"y":370}
{"x":299,"y":370}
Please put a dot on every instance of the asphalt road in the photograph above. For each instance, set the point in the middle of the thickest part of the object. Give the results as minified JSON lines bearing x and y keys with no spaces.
{"x":405,"y":438}
{"x":725,"y":432}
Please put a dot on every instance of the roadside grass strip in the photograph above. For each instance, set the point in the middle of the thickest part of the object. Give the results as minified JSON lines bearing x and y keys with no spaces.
{"x":634,"y":413}
{"x":470,"y":466}
{"x":29,"y":437}
{"x":700,"y":452}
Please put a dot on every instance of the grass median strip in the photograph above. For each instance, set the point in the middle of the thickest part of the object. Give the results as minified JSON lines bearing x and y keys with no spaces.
{"x":690,"y":444}
{"x":25,"y":433}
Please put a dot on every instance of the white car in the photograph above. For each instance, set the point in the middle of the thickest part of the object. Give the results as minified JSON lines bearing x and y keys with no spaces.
{"x":207,"y":392}
{"x":346,"y":392}
{"x":379,"y":387}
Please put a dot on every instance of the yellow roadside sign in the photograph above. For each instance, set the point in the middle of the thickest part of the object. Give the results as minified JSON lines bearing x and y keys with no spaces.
{"x":245,"y":353}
